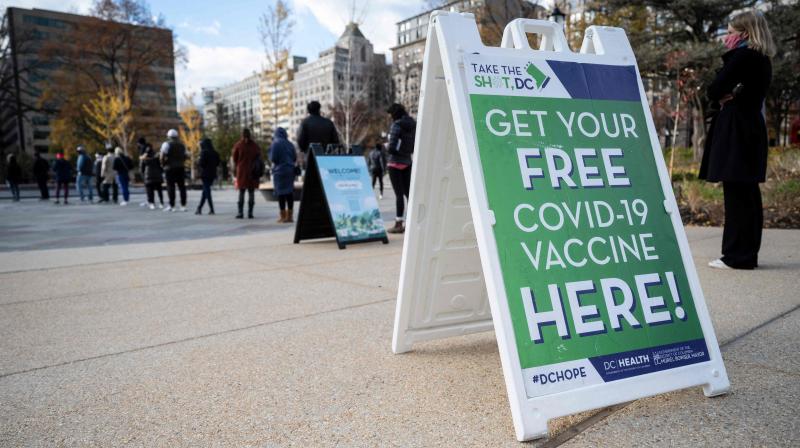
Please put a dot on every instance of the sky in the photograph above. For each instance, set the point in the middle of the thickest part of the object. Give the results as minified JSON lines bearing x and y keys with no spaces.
{"x":222,"y":37}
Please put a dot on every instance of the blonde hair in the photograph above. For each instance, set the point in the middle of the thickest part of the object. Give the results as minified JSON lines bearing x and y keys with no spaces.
{"x":759,"y":37}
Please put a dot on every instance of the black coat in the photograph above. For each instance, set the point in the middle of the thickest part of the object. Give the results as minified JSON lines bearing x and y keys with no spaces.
{"x":151,"y":169}
{"x":13,"y":172}
{"x":316,"y":129}
{"x":736,"y":146}
{"x":208,"y":163}
{"x":41,"y":169}
{"x":401,"y":140}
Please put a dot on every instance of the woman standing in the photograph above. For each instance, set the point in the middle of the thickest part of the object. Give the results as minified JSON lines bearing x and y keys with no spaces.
{"x":153,"y":174}
{"x":13,"y":176}
{"x":249,"y":167}
{"x":736,"y":149}
{"x":283,"y":158}
{"x":123,"y":166}
{"x":63,"y":173}
{"x":208,"y":163}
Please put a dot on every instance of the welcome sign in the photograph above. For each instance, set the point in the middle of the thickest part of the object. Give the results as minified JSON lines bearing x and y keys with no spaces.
{"x":596,"y":285}
{"x":541,"y":195}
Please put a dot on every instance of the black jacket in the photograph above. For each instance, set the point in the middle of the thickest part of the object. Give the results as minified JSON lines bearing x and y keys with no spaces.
{"x":208,"y":163}
{"x":41,"y":169}
{"x":377,"y":161}
{"x":736,"y":145}
{"x":13,"y":172}
{"x":123,"y":165}
{"x":152,"y":173}
{"x":401,"y":140}
{"x":316,"y":129}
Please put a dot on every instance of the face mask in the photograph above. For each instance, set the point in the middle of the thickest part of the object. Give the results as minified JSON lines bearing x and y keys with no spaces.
{"x":733,"y":40}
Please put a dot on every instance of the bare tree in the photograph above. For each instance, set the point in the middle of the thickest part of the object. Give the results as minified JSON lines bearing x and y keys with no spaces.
{"x":276,"y":26}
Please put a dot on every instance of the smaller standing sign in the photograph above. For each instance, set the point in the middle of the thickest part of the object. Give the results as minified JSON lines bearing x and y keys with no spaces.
{"x":338,"y":201}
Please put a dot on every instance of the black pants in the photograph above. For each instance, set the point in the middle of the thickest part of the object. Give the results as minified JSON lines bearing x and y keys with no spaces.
{"x":176,"y":176}
{"x":43,"y":190}
{"x":114,"y":189}
{"x":401,"y":184}
{"x":98,"y":183}
{"x":65,"y":186}
{"x":152,"y":189}
{"x":285,"y":200}
{"x":251,"y":200}
{"x":207,"y":183}
{"x":744,"y":220}
{"x":378,"y":175}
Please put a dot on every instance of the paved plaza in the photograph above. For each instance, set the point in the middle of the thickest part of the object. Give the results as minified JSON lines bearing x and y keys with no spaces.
{"x":124,"y":327}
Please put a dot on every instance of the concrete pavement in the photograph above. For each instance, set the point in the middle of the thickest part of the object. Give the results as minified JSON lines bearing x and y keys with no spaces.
{"x":249,"y":340}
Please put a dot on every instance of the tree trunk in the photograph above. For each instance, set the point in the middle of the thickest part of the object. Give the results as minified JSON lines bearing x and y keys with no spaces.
{"x":699,"y":131}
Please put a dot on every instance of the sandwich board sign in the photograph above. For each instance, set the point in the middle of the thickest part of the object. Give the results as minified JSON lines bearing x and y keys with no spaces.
{"x":541,"y":207}
{"x":338,"y":201}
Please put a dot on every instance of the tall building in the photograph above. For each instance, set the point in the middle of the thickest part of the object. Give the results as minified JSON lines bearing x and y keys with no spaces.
{"x":41,"y":43}
{"x":345,"y":77}
{"x":237,"y":104}
{"x":412,"y":33}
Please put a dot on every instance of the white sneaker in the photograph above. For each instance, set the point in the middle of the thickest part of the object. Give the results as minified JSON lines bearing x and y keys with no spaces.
{"x":174,"y":209}
{"x":183,"y":209}
{"x":167,"y":208}
{"x":160,"y":205}
{"x":718,"y":264}
{"x":143,"y":204}
{"x":123,"y":204}
{"x":380,"y":196}
{"x":152,"y":206}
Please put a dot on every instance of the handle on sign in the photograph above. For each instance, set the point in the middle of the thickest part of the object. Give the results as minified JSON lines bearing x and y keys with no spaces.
{"x":553,"y":38}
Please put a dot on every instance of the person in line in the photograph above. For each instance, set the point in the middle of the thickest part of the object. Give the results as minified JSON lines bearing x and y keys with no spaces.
{"x":123,"y":166}
{"x":13,"y":176}
{"x":109,"y":176}
{"x":63,"y":175}
{"x":141,"y":147}
{"x":208,"y":163}
{"x":98,"y":176}
{"x":41,"y":172}
{"x":315,"y":129}
{"x":736,"y":149}
{"x":173,"y":159}
{"x":153,"y":176}
{"x":377,"y":166}
{"x":85,"y":174}
{"x":284,"y":159}
{"x":247,"y":172}
{"x":400,"y":149}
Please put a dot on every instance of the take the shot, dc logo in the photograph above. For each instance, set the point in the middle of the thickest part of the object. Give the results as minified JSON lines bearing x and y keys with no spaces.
{"x":537,"y":81}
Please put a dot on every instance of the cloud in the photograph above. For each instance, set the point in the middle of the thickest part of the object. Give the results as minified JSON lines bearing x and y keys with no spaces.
{"x":212,"y":29}
{"x":213,"y":66}
{"x":377,"y":18}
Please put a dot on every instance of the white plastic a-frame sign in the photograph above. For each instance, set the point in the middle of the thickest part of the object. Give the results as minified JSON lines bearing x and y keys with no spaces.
{"x":540,"y":204}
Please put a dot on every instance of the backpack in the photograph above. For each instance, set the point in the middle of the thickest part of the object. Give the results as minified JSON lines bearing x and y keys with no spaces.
{"x":176,"y":155}
{"x":87,"y":167}
{"x":258,"y":168}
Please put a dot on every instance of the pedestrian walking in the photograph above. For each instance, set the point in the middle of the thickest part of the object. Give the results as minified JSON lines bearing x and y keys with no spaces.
{"x":377,"y":166}
{"x":85,"y":174}
{"x":13,"y":176}
{"x":248,"y":169}
{"x":153,"y":176}
{"x":98,"y":176}
{"x":208,"y":163}
{"x":315,"y":129}
{"x":110,"y":191}
{"x":736,"y":148}
{"x":63,"y":174}
{"x":173,"y":159}
{"x":123,"y":166}
{"x":284,"y":160}
{"x":400,"y":149}
{"x":41,"y":172}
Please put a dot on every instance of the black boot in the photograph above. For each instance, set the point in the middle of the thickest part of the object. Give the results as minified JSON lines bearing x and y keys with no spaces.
{"x":199,"y":211}
{"x":210,"y":207}
{"x":240,"y":215}
{"x":250,"y":206}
